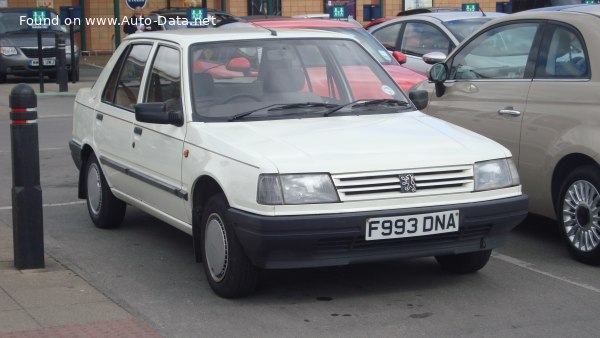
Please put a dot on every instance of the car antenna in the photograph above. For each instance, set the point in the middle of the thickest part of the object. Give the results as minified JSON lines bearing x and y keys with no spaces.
{"x":482,"y":12}
{"x":273,"y":32}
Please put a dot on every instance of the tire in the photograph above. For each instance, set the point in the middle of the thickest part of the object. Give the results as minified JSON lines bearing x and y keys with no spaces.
{"x":106,"y":211}
{"x":228,"y":270}
{"x":579,"y":213}
{"x":464,"y":263}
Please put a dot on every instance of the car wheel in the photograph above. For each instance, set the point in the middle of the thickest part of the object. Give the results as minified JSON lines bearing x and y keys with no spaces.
{"x":228,"y":270}
{"x":579,"y":213}
{"x":464,"y":263}
{"x":105,"y":209}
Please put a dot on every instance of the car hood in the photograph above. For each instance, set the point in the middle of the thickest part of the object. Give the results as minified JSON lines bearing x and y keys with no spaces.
{"x":29,"y":39}
{"x":404,"y":77}
{"x":346,"y":143}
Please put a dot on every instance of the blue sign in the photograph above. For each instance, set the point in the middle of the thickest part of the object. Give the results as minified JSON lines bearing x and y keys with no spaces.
{"x":197,"y":18}
{"x":70,"y":15}
{"x":41,"y":19}
{"x":338,"y":12}
{"x":132,"y":4}
{"x":470,"y":7}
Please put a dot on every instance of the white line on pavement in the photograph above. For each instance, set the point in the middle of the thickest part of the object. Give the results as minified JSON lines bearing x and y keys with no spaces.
{"x":530,"y":267}
{"x":49,"y":205}
{"x":41,"y":149}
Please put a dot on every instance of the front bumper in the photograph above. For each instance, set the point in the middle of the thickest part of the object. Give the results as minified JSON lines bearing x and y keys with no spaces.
{"x":19,"y":65}
{"x":279,"y":242}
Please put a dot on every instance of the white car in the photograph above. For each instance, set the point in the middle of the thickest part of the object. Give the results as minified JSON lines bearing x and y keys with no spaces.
{"x":286,"y":149}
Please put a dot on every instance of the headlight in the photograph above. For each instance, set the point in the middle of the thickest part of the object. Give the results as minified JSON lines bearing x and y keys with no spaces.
{"x":68,"y":49}
{"x":8,"y":51}
{"x":295,"y":189}
{"x":495,"y":174}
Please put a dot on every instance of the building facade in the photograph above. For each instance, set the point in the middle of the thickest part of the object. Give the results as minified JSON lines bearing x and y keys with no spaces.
{"x":100,"y":37}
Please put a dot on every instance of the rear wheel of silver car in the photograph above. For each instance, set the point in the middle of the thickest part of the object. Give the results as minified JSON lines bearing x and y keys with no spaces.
{"x":106,"y":211}
{"x":579,"y":213}
{"x":228,"y":270}
{"x":464,"y":263}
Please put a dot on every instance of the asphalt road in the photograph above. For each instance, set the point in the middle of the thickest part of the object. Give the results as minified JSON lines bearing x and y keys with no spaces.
{"x":531,"y":287}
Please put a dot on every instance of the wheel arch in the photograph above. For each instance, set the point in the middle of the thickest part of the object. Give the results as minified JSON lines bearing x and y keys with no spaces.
{"x":203,"y":189}
{"x":563,"y":167}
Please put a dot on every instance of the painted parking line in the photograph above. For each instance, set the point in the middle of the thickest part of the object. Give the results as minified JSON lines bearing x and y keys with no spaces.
{"x":531,"y":267}
{"x":9,"y":207}
{"x":41,"y":149}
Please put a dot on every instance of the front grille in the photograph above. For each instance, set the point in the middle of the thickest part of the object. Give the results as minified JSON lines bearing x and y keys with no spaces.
{"x":352,"y":244}
{"x":383,"y":185}
{"x":33,"y":52}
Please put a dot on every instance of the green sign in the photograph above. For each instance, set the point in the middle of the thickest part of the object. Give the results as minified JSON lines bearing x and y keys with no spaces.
{"x":196,"y":17}
{"x":338,"y":12}
{"x":39,"y":19}
{"x":589,"y":2}
{"x":470,"y":7}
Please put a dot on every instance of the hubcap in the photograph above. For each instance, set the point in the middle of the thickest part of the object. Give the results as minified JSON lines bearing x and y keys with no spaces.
{"x":216,"y":247}
{"x":581,"y":215}
{"x":94,"y":189}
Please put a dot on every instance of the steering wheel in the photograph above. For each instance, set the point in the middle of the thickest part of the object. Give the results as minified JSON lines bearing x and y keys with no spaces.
{"x":240,"y":96}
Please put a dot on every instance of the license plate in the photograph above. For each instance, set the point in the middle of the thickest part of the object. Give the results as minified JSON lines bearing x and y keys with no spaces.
{"x":412,"y":225}
{"x":45,"y":62}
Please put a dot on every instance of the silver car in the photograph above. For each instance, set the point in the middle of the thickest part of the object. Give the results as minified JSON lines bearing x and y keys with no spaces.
{"x":530,"y":81}
{"x":420,"y":34}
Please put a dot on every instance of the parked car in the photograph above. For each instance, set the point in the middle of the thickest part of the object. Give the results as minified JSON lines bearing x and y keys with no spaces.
{"x":174,"y":18}
{"x":413,"y":11}
{"x":419,"y":34}
{"x":325,"y":16}
{"x":272,"y":168}
{"x":19,"y":47}
{"x":404,"y":77}
{"x":530,"y":81}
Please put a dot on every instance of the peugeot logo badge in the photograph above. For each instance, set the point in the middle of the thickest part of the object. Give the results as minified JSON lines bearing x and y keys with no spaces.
{"x":407,"y":183}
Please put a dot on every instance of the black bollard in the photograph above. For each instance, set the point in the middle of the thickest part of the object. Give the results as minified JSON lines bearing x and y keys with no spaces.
{"x":28,"y":228}
{"x":61,"y":64}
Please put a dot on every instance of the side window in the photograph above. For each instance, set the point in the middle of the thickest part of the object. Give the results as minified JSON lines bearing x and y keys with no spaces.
{"x":499,"y":53}
{"x":388,"y":36}
{"x":421,"y":38}
{"x":565,"y":56}
{"x":165,"y":79}
{"x":123,"y":85}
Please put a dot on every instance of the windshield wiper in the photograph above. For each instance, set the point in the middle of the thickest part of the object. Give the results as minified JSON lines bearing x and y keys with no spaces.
{"x":303,"y":105}
{"x":366,"y":103}
{"x":279,"y":106}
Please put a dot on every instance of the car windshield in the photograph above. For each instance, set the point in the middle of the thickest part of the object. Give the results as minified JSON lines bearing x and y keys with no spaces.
{"x":463,"y":28}
{"x":369,"y":42}
{"x":288,"y":78}
{"x":11,"y":22}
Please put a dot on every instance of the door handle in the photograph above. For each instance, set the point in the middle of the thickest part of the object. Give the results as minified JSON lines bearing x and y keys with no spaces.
{"x":137,"y":130}
{"x":99,"y":116}
{"x":509,"y":112}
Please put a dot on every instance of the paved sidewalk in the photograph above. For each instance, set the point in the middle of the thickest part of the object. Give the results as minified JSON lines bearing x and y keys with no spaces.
{"x":55,"y":302}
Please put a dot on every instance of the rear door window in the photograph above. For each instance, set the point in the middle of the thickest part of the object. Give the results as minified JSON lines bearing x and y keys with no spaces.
{"x":563,"y":55}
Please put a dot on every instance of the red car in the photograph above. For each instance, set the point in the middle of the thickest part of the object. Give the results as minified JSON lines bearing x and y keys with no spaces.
{"x":405,"y":77}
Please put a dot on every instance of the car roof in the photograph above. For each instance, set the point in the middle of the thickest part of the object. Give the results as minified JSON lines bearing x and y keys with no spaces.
{"x":579,"y":8}
{"x":446,"y":16}
{"x":301,"y":23}
{"x":186,"y":37}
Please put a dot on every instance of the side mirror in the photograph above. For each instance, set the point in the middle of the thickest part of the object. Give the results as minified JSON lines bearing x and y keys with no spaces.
{"x":239,"y":64}
{"x":420,"y":98}
{"x":438,"y":73}
{"x":399,"y":56}
{"x":156,"y":112}
{"x":434,"y":57}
